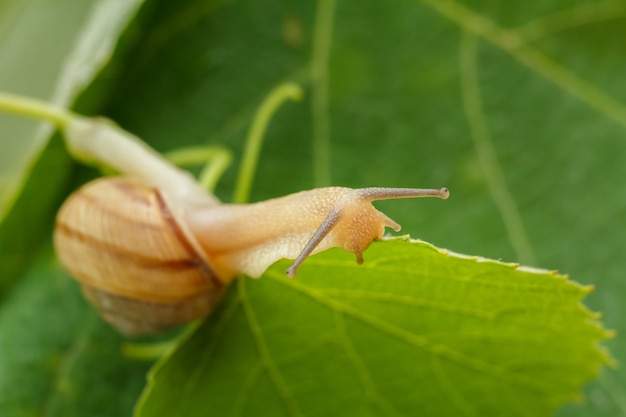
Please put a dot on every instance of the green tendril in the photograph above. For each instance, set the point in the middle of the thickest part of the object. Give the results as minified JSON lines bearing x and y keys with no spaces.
{"x":254,"y":140}
{"x":216,"y":160}
{"x":148,"y":351}
{"x":35,"y":109}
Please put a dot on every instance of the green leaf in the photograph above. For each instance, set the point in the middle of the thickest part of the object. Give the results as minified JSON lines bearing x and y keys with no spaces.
{"x":414,"y":328}
{"x":57,"y":357}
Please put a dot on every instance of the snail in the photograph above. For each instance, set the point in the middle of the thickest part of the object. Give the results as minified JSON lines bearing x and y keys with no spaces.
{"x":152,"y":249}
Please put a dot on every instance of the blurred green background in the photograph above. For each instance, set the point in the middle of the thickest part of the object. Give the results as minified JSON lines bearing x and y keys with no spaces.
{"x":518,"y":108}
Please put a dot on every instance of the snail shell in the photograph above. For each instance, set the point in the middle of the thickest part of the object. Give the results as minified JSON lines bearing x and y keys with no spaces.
{"x":136,"y":261}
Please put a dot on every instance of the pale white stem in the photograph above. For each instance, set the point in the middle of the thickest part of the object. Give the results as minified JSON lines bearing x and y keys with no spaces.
{"x":102,"y":142}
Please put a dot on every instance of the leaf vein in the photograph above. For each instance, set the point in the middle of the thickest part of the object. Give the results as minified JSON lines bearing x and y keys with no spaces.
{"x":264,"y":353}
{"x":416,"y":340}
{"x":407,"y":300}
{"x":570,"y":18}
{"x":207,"y":354}
{"x":473,"y":107}
{"x":511,"y":43}
{"x":243,"y":397}
{"x":449,"y":388}
{"x":359,"y":366}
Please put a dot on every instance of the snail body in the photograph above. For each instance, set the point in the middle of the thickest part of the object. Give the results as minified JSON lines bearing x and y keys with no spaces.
{"x":257,"y":235}
{"x":153,"y":250}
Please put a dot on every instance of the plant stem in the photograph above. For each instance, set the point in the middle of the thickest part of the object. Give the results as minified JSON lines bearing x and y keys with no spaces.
{"x":254,"y":140}
{"x":148,"y":351}
{"x":215,"y":159}
{"x":35,"y":109}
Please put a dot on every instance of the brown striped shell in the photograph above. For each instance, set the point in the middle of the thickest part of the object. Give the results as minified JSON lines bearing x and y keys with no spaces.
{"x":137,"y":263}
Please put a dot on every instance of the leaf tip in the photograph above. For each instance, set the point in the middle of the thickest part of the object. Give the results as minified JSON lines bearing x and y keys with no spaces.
{"x":588,"y":289}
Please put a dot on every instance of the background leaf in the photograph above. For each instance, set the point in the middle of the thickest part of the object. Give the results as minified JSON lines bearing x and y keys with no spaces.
{"x":36,"y":40}
{"x":52,"y":53}
{"x":518,"y":110}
